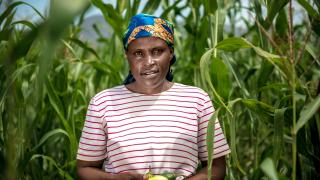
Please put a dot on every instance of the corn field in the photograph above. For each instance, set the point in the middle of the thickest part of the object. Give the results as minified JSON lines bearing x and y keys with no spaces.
{"x":259,"y":61}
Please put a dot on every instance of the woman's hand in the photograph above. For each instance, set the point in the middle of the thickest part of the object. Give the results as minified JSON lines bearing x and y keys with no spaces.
{"x":218,"y":170}
{"x":91,"y":170}
{"x":129,"y":176}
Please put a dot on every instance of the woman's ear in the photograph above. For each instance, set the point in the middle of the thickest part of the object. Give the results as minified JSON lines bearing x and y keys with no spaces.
{"x":172,"y":50}
{"x":171,"y":53}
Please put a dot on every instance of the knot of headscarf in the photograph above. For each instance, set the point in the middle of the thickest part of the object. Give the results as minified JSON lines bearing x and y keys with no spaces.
{"x":144,"y":25}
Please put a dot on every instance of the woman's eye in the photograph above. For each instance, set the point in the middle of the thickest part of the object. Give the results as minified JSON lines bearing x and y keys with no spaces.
{"x":138,"y":53}
{"x":157,"y":51}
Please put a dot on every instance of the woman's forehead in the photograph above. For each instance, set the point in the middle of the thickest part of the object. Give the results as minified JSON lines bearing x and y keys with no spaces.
{"x":146,"y":43}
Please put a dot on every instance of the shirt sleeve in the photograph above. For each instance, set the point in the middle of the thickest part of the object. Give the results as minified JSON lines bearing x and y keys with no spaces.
{"x":220,"y":146}
{"x":93,"y":140}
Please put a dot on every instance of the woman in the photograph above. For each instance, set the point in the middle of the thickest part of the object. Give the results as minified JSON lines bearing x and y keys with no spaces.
{"x":150,"y":122}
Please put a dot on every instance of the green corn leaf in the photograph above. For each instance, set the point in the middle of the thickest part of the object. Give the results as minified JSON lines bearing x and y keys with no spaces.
{"x":59,"y":107}
{"x":278,"y":133}
{"x":62,"y":173}
{"x":307,"y":112}
{"x":170,"y":8}
{"x":84,"y":46}
{"x":264,"y":54}
{"x":307,"y":165}
{"x":275,"y":86}
{"x":259,"y":107}
{"x":308,"y":7}
{"x":151,"y":7}
{"x":26,"y":23}
{"x":121,"y":5}
{"x":266,"y":69}
{"x":14,"y":76}
{"x":317,"y":2}
{"x":71,"y":49}
{"x":210,"y":6}
{"x":111,"y":16}
{"x":220,"y":78}
{"x":132,"y":10}
{"x":312,"y":52}
{"x":9,"y":19}
{"x":55,"y":101}
{"x":269,"y":169}
{"x":273,"y":9}
{"x":315,"y":24}
{"x":204,"y":64}
{"x":210,"y":140}
{"x":48,"y":135}
{"x":22,"y":47}
{"x":235,"y":75}
{"x":233,"y":44}
{"x":282,"y":24}
{"x":12,"y":6}
{"x":233,"y":138}
{"x":205,"y":75}
{"x":105,"y":69}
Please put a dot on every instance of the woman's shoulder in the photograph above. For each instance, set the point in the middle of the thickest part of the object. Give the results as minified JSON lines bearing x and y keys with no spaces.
{"x":109,"y":91}
{"x":189,"y":88}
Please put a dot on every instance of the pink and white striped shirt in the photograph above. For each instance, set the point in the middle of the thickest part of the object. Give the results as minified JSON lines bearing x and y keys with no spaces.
{"x":164,"y":131}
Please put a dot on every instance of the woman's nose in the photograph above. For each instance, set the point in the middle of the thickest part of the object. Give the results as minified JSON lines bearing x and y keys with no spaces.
{"x":149,"y":60}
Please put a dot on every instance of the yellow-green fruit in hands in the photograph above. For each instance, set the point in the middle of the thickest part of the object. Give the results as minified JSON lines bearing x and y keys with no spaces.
{"x":157,"y":177}
{"x":169,"y":176}
{"x":149,"y":174}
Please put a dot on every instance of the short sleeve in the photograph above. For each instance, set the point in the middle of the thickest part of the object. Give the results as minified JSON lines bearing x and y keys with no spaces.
{"x":93,"y":140}
{"x":220,"y":146}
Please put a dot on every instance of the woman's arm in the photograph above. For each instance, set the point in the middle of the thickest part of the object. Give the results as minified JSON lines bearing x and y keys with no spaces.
{"x":92,"y":170}
{"x":218,"y":170}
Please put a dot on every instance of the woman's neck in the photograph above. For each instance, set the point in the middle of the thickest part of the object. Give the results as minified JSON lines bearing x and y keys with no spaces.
{"x":142,"y":89}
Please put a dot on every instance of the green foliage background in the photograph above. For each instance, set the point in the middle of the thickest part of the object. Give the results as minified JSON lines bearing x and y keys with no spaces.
{"x":265,"y":81}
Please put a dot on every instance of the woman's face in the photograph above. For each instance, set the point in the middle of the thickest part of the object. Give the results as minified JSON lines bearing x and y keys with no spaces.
{"x":149,"y":60}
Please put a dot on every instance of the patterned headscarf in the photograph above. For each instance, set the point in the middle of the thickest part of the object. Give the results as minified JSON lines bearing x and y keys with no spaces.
{"x":144,"y":25}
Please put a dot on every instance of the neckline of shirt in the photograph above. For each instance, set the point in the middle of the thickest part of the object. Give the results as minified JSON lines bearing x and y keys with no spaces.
{"x":128,"y":90}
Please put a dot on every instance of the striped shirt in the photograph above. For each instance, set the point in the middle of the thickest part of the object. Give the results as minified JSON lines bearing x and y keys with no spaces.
{"x":166,"y":131}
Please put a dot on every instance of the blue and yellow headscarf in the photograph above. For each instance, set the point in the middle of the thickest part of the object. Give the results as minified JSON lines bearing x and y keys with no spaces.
{"x":144,"y":25}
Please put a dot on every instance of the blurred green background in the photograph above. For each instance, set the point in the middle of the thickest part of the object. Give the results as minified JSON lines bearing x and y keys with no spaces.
{"x":258,"y":60}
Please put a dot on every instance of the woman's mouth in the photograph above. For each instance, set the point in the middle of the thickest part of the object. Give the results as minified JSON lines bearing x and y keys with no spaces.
{"x":149,"y":74}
